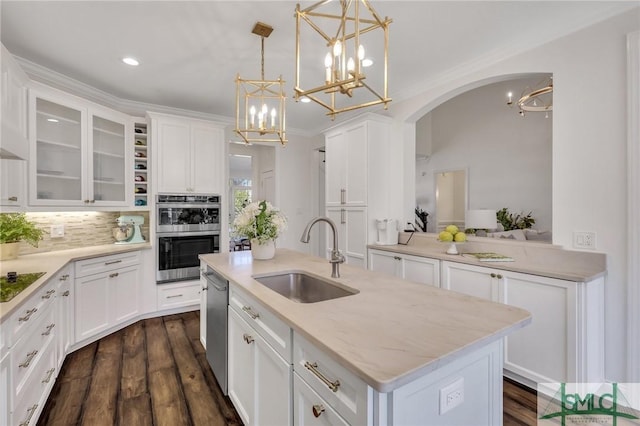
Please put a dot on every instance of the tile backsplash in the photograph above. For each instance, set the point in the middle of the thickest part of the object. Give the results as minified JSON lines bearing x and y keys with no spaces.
{"x":81,"y":229}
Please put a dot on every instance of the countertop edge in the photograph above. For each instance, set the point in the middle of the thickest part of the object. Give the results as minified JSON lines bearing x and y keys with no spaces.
{"x":57,"y":260}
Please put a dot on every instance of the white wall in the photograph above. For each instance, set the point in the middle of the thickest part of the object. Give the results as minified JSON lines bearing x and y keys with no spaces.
{"x":589,"y":147}
{"x":508,"y":157}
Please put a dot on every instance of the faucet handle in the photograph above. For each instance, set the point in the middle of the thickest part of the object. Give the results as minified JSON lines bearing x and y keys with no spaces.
{"x":337,"y":257}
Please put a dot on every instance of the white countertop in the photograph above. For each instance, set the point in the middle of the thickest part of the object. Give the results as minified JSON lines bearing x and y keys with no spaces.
{"x":50,"y":263}
{"x":528,"y":257}
{"x":391,"y":332}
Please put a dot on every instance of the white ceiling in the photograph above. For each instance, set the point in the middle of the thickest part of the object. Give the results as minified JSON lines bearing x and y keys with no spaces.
{"x":191,"y":51}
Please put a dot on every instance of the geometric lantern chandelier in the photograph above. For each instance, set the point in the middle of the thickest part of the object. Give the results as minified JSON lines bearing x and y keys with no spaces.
{"x":348,"y":44}
{"x":260,"y":112}
{"x":537,"y":99}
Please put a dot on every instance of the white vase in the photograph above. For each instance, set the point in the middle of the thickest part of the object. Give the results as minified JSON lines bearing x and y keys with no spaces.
{"x":9,"y":251}
{"x":263,"y":251}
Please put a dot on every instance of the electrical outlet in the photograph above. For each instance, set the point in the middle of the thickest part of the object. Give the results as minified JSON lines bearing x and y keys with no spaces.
{"x":451,"y":396}
{"x":584,"y":240}
{"x":57,"y":231}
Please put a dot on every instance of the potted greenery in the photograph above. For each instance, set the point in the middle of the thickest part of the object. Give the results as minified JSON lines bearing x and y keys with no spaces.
{"x":15,"y":227}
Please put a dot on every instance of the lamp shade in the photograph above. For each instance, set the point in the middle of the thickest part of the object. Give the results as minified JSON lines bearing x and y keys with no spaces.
{"x":481,"y":219}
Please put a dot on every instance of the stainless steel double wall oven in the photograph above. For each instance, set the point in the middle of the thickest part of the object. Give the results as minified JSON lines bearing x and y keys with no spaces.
{"x":186,"y":226}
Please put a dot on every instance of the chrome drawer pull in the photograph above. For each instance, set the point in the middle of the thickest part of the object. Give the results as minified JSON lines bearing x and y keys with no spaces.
{"x":397,"y":257}
{"x":13,"y":198}
{"x":64,"y":277}
{"x":28,"y":419}
{"x":66,"y":293}
{"x":250,"y":312}
{"x":314,"y":369}
{"x":115,"y":274}
{"x":113,"y":261}
{"x":247,"y":338}
{"x":48,"y":294}
{"x":29,"y":313}
{"x":27,"y":361}
{"x":49,"y":327}
{"x":174,"y":296}
{"x":49,"y":374}
{"x":318,"y":409}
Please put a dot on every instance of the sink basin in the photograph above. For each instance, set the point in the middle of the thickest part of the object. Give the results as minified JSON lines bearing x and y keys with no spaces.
{"x":302,"y":287}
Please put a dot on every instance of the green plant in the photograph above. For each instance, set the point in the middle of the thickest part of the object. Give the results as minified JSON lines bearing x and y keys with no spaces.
{"x":510,"y":221}
{"x":16,"y":227}
{"x":260,"y":221}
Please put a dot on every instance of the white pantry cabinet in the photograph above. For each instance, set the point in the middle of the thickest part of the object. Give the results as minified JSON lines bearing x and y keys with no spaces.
{"x":107,"y":293}
{"x":259,"y":377}
{"x":189,"y":155}
{"x":351,"y":225}
{"x":13,"y":104}
{"x":80,"y":152}
{"x":418,"y":269}
{"x":565,"y":340}
{"x":13,"y":183}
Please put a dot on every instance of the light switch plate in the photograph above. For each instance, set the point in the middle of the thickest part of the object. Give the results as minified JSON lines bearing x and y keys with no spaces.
{"x":57,"y":231}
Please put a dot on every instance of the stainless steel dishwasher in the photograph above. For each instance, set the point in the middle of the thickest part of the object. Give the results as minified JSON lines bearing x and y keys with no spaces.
{"x":217,"y":304}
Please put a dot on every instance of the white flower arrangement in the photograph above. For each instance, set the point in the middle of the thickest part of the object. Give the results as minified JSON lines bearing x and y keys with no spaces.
{"x":260,"y":221}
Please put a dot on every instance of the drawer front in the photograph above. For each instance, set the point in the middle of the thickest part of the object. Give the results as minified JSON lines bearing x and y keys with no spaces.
{"x":32,"y":310}
{"x":343,"y":390}
{"x":310,"y":409}
{"x":176,"y":295}
{"x":29,"y":350}
{"x":271,"y":328}
{"x":106,"y":263}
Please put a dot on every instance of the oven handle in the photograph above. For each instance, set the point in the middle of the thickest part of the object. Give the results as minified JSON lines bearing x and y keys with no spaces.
{"x":186,"y":234}
{"x":188,"y":205}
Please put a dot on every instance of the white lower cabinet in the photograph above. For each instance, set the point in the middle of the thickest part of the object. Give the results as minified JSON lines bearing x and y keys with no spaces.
{"x":421,"y":270}
{"x":309,"y":408}
{"x":259,"y":378}
{"x":565,"y":340}
{"x":179,"y":294}
{"x":203,"y":311}
{"x":65,"y":308}
{"x":108,"y":296}
{"x":5,"y":389}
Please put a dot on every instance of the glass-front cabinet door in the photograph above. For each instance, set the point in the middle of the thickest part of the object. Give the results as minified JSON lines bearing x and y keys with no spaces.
{"x":108,"y":165}
{"x":78,"y":152}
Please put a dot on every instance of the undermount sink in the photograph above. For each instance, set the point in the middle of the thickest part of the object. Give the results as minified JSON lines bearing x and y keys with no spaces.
{"x":302,"y":287}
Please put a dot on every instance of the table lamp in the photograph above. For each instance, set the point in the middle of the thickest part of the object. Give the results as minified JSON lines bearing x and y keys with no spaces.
{"x":481,"y":220}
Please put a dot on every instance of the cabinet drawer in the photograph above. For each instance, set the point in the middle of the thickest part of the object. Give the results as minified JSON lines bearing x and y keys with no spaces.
{"x":32,"y":347}
{"x":32,"y":310}
{"x":310,"y":409}
{"x":106,"y":263}
{"x":271,"y":328}
{"x":340,"y":388}
{"x":176,"y":295}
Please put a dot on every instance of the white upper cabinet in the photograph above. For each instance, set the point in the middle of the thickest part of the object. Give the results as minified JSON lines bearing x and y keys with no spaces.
{"x":80,"y":152}
{"x":189,"y":155}
{"x":346,"y":165}
{"x":13,"y":107}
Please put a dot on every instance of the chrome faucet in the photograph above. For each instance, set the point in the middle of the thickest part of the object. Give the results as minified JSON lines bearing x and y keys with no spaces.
{"x":336,"y":257}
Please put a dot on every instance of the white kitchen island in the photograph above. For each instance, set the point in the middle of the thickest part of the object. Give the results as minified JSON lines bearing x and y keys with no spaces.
{"x":395,"y":353}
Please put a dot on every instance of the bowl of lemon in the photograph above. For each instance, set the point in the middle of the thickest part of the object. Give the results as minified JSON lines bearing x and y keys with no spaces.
{"x":452,"y":235}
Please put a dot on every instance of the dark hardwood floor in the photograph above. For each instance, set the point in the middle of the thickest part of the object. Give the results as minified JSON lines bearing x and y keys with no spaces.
{"x":155,"y":372}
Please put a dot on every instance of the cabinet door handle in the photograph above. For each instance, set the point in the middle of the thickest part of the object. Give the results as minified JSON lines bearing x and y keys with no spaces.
{"x":248,"y":310}
{"x":92,"y":201}
{"x":397,"y":257}
{"x":174,"y":296}
{"x":113,"y":262}
{"x":13,"y":198}
{"x":205,"y":288}
{"x":343,"y":216}
{"x":48,"y":329}
{"x":343,"y":196}
{"x":48,"y":294}
{"x":247,"y":338}
{"x":86,"y":201}
{"x":115,"y":274}
{"x":64,"y":277}
{"x":28,"y":360}
{"x":493,"y":275}
{"x":47,"y":378}
{"x":30,"y":412}
{"x":29,"y":313}
{"x":499,"y":276}
{"x":66,"y":293}
{"x":318,"y":409}
{"x":313,"y":367}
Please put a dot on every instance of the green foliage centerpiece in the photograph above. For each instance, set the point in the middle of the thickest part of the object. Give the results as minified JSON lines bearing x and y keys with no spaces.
{"x":262,"y":224}
{"x":15,"y":227}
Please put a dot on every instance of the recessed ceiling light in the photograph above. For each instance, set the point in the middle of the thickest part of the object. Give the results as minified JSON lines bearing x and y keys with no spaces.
{"x":131,"y":61}
{"x":52,"y":120}
{"x":305,"y":100}
{"x":366,"y":62}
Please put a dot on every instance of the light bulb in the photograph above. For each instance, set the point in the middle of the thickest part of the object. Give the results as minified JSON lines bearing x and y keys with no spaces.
{"x":273,"y":118}
{"x":328,"y":60}
{"x":510,"y":97}
{"x":351,"y":65}
{"x":360,"y":52}
{"x":252,"y":112}
{"x":264,"y":108}
{"x":337,"y":48}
